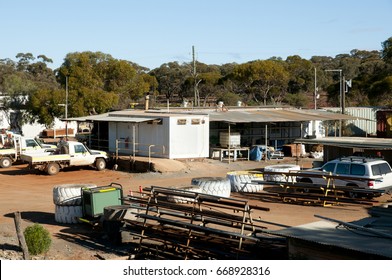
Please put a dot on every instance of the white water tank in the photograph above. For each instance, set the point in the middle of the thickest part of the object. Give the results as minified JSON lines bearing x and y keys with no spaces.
{"x":231,"y":140}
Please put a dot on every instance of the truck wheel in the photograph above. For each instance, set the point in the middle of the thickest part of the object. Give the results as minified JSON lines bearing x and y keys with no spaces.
{"x":219,"y":186}
{"x":52,"y":168}
{"x":68,"y":214}
{"x":181,"y":199}
{"x":100,"y":164}
{"x":69,"y":194}
{"x":281,"y":168}
{"x":5,"y":162}
{"x":241,"y":181}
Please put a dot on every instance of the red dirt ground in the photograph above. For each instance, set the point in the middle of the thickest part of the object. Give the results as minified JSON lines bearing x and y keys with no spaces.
{"x":31,"y":194}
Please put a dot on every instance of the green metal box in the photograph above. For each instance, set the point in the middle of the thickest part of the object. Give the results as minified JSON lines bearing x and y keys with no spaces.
{"x":94,"y":200}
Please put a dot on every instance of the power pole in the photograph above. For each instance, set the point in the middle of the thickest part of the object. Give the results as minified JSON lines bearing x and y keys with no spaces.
{"x":196,"y":93}
{"x":66,"y":108}
{"x":315,"y":88}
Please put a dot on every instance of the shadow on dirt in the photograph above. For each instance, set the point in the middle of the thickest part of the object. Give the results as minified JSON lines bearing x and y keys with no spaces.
{"x":16,"y":171}
{"x":35,"y":217}
{"x":84,"y":235}
{"x":93,"y":240}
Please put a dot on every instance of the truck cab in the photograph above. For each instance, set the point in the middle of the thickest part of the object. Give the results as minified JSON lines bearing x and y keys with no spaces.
{"x":80,"y":155}
{"x":13,"y":145}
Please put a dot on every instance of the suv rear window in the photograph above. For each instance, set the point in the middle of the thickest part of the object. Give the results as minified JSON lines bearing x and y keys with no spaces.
{"x":381,"y":168}
{"x":357,"y":169}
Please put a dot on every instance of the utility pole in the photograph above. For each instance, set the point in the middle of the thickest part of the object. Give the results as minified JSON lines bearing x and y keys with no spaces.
{"x":340,"y":96}
{"x":196,"y":83}
{"x":66,"y":108}
{"x":315,"y":88}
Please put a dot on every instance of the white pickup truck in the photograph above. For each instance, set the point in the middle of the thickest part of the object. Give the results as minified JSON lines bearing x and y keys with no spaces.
{"x":69,"y":153}
{"x":13,"y":145}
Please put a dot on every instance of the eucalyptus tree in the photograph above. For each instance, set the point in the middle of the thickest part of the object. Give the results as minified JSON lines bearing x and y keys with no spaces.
{"x":21,"y":82}
{"x":97,"y":82}
{"x":386,"y":52}
{"x":170,"y":79}
{"x":262,"y":80}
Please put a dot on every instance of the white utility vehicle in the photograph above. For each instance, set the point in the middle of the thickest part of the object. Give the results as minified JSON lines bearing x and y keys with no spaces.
{"x":361,"y":172}
{"x":12,"y":146}
{"x":68,"y":153}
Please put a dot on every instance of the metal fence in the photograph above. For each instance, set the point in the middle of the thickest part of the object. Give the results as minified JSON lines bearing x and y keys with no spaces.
{"x":124,"y":147}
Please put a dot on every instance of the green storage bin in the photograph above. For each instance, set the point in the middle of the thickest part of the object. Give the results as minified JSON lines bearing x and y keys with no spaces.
{"x":94,"y":200}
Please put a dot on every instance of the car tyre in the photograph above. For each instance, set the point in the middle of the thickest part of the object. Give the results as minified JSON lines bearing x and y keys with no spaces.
{"x":5,"y":162}
{"x":69,"y":194}
{"x":100,"y":164}
{"x":52,"y":168}
{"x":68,"y":214}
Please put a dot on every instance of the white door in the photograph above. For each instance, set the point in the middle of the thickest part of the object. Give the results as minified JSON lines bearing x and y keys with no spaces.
{"x":81,"y":156}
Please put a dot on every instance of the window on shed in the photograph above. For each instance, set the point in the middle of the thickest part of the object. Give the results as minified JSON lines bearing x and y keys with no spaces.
{"x":181,"y":121}
{"x":157,"y":121}
{"x":195,"y":121}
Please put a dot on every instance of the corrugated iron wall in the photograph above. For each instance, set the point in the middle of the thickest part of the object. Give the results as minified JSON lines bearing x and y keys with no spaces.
{"x":360,"y":127}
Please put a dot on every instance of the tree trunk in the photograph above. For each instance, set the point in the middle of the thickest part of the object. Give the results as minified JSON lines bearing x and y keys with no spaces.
{"x":19,"y":232}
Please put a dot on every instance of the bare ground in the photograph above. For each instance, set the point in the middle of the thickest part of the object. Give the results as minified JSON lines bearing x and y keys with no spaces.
{"x":31,"y":194}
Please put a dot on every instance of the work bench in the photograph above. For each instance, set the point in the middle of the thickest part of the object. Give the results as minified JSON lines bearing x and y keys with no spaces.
{"x":234,"y":153}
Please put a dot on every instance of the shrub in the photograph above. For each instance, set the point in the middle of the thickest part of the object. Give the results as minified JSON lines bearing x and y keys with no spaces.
{"x":37,"y":239}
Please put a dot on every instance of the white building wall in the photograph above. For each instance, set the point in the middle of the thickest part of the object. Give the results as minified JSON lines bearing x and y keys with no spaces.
{"x":154,"y":138}
{"x":314,"y":129}
{"x":167,"y":139}
{"x":123,"y":132}
{"x":35,"y":129}
{"x":189,"y":140}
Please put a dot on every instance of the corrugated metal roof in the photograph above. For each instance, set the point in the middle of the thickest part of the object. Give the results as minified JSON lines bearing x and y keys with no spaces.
{"x":275,"y":115}
{"x":114,"y":118}
{"x":135,"y":116}
{"x":236,"y":115}
{"x":350,"y":142}
{"x":129,"y":119}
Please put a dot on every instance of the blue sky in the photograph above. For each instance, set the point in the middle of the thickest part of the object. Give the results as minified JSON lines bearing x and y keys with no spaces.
{"x":153,"y":32}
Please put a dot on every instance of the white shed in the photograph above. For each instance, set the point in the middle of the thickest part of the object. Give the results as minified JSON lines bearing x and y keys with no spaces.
{"x":157,"y":134}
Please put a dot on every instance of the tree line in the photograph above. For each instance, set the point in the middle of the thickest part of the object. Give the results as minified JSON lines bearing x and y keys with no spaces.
{"x":96,"y":83}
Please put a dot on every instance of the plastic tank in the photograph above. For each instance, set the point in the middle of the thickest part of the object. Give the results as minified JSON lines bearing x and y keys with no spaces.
{"x":231,"y":140}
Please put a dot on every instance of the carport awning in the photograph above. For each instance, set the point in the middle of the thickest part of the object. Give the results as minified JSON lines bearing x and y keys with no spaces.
{"x":114,"y":118}
{"x":122,"y":119}
{"x":350,"y":142}
{"x":276,"y":115}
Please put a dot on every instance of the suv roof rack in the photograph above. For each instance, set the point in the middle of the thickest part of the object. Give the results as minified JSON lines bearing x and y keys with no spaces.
{"x":359,"y":158}
{"x":353,"y":159}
